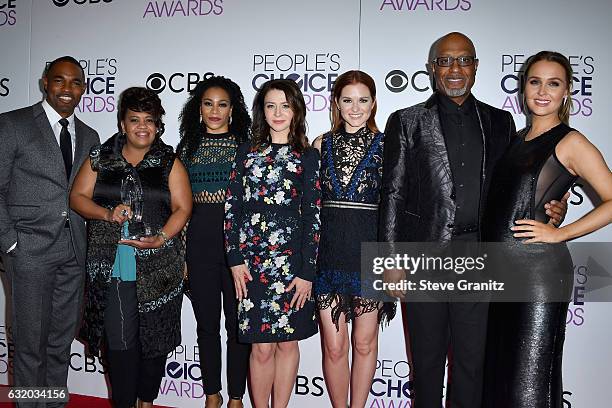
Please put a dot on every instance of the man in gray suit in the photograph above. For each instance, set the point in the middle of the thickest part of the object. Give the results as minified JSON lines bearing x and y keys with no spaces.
{"x":42,"y":241}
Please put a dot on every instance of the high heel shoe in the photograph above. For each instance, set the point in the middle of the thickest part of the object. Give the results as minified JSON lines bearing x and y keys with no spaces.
{"x":213,"y":400}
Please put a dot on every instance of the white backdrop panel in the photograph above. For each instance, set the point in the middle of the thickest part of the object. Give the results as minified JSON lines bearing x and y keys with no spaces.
{"x":14,"y":53}
{"x":169,"y":45}
{"x":397,"y":35}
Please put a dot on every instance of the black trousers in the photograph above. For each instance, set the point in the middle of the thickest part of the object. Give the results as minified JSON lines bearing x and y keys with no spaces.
{"x":131,"y":376}
{"x":211,"y":284}
{"x":432,"y":327}
{"x":435,"y":328}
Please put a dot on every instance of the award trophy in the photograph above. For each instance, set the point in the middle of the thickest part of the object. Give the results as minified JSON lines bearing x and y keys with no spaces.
{"x":131,"y":195}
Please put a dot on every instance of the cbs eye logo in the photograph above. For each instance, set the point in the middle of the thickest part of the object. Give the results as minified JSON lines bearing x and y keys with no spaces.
{"x":397,"y":81}
{"x":156,"y":82}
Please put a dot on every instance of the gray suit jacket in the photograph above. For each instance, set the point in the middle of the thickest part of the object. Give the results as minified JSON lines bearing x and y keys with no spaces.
{"x":33,"y":186}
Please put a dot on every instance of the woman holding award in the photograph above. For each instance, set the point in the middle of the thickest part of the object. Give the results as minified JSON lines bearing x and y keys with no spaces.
{"x":133,"y":290}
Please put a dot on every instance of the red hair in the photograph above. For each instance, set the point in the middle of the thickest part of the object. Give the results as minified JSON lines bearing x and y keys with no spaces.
{"x":350,"y":78}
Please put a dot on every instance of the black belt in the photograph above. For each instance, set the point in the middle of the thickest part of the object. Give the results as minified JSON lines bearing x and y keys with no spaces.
{"x":465,"y":229}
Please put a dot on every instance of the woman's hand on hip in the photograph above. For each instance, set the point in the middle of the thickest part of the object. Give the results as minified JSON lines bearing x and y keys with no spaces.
{"x":537,"y":231}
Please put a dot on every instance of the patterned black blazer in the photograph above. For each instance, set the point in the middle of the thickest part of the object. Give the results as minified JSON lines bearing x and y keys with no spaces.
{"x":418,"y":195}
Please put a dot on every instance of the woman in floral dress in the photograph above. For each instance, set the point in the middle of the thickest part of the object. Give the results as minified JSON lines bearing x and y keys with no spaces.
{"x":272,"y":233}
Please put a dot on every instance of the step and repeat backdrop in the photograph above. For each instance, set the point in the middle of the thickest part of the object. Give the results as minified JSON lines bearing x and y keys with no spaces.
{"x":169,"y":45}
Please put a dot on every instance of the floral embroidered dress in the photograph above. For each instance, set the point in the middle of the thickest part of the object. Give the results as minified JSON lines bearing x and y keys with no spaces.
{"x":351,"y":176}
{"x":272,"y":224}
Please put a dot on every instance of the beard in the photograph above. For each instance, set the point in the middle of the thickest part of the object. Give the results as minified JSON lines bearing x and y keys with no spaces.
{"x":455,"y":92}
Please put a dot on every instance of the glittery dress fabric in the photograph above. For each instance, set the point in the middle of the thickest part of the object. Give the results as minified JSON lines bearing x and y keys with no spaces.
{"x":351,"y":173}
{"x":525,"y":339}
{"x":159,"y":272}
{"x":272,"y":224}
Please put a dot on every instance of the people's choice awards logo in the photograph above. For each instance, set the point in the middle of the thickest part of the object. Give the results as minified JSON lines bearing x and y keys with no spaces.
{"x":315,"y":74}
{"x":391,"y":385}
{"x":576,"y":309}
{"x":582,"y":93}
{"x":178,"y":8}
{"x":100,"y":80}
{"x":62,"y":3}
{"x":183,"y":378}
{"x":4,"y":87}
{"x":7,"y":350}
{"x":425,"y":5}
{"x":8,"y":13}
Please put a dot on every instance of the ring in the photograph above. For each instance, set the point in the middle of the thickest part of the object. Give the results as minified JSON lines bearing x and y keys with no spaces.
{"x":124,"y":212}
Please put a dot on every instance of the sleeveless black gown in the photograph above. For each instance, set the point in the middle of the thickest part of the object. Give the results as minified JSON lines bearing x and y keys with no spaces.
{"x":525,"y":339}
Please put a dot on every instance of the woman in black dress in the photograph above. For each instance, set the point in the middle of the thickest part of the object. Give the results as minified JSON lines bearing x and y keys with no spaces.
{"x":525,"y":343}
{"x":214,"y":122}
{"x":134,"y":291}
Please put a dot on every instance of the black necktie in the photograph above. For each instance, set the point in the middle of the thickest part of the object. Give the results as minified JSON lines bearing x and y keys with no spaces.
{"x":66,"y":146}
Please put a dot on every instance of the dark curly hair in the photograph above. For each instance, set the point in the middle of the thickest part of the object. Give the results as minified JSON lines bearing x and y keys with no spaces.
{"x":191,"y":128}
{"x":139,"y":99}
{"x":297,"y":131}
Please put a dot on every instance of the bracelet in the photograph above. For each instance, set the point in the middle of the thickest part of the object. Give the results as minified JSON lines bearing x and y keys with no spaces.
{"x":163,"y":236}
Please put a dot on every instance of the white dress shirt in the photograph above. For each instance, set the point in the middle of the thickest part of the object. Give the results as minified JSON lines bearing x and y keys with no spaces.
{"x":54,"y":119}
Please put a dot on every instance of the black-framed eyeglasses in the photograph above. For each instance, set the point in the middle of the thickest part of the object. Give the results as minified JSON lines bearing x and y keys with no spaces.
{"x":463,"y":61}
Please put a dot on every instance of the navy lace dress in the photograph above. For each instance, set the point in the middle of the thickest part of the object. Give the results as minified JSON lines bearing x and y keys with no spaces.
{"x":351,"y":175}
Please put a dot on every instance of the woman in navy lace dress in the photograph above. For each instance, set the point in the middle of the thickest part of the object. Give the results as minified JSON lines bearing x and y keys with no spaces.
{"x":351,"y":170}
{"x":272,"y":234}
